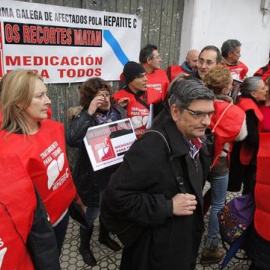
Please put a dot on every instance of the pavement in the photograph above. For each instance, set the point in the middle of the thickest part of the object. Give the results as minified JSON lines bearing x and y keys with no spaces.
{"x":109,"y":260}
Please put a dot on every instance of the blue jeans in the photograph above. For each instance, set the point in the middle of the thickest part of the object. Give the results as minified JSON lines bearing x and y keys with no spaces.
{"x":219,"y":185}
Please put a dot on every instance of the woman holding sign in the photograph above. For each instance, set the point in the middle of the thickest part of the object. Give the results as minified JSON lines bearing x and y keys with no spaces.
{"x":96,"y":108}
{"x":38,"y":142}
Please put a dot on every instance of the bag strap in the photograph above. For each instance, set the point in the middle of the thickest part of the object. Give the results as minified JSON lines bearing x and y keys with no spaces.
{"x":141,"y":101}
{"x":219,"y":119}
{"x":176,"y":169}
{"x":213,"y":129}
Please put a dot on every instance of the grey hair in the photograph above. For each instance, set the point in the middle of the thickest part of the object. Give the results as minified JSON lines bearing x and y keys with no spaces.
{"x":250,"y":84}
{"x":229,"y":46}
{"x":184,"y":92}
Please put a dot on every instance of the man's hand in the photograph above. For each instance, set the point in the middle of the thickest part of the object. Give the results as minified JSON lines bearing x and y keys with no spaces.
{"x":123,"y":102}
{"x":184,"y":204}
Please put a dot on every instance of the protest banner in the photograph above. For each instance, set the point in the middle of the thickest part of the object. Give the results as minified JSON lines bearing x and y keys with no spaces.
{"x":66,"y":45}
{"x":106,"y":144}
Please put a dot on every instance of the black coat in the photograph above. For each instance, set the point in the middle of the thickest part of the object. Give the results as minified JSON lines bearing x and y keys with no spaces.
{"x":240,"y":173}
{"x":141,"y":191}
{"x":88,"y":182}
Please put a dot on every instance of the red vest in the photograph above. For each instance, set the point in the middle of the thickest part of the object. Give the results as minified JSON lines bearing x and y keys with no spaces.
{"x":262,"y":188}
{"x":228,"y":122}
{"x":263,"y":72}
{"x":157,"y":86}
{"x":266,"y":118}
{"x":175,"y":70}
{"x":17,"y":206}
{"x":238,"y":71}
{"x":45,"y":160}
{"x":136,"y":111}
{"x":246,"y":104}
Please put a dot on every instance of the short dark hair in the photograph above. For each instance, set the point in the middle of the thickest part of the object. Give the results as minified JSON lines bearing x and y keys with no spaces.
{"x":212,"y":48}
{"x":147,"y":52}
{"x":229,"y":46}
{"x":184,"y":92}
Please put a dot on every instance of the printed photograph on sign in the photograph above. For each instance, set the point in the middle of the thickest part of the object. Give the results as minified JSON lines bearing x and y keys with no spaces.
{"x":106,"y":144}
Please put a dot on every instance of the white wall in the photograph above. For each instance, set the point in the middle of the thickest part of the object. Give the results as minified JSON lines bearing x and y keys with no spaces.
{"x":211,"y":22}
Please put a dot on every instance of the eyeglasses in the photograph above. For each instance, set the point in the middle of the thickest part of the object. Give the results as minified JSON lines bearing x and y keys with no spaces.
{"x":206,"y":62}
{"x":199,"y":114}
{"x":157,"y":57}
{"x":105,"y":96}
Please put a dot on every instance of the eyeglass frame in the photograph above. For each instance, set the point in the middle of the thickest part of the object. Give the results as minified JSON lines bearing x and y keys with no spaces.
{"x":199,"y":114}
{"x":206,"y":62}
{"x":156,"y":57}
{"x":107,"y":96}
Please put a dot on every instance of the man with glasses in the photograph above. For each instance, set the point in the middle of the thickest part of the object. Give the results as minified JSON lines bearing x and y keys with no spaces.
{"x":157,"y":79}
{"x":158,"y":194}
{"x":209,"y":57}
{"x":231,"y":52}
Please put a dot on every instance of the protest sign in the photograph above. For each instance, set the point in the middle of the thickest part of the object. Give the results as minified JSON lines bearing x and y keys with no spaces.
{"x":106,"y":144}
{"x":64,"y":44}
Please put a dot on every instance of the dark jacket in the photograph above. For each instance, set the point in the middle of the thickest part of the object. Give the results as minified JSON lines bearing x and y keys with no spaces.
{"x":41,"y":241}
{"x":88,"y":182}
{"x":141,"y":191}
{"x":240,"y":173}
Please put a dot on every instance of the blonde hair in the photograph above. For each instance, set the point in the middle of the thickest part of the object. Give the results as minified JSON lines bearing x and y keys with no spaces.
{"x":217,"y":78}
{"x":17,"y":91}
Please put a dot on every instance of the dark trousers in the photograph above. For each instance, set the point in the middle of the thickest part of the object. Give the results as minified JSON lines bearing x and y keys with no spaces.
{"x":60,"y":232}
{"x":258,"y":250}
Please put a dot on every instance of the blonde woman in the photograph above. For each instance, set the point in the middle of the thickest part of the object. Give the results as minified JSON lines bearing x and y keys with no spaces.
{"x":39,"y":143}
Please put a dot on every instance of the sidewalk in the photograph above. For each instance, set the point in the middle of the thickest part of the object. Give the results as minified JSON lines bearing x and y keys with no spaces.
{"x":109,"y":260}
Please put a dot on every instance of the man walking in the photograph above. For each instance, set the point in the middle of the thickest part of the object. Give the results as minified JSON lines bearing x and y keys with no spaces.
{"x":145,"y":193}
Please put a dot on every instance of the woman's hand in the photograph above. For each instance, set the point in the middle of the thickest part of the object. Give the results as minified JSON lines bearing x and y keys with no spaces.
{"x":97,"y":102}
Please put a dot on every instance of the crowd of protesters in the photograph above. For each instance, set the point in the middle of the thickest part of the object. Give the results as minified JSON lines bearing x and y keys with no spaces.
{"x":154,"y":198}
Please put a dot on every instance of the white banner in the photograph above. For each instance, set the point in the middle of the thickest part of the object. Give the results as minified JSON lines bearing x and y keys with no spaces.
{"x":66,"y":45}
{"x":106,"y":144}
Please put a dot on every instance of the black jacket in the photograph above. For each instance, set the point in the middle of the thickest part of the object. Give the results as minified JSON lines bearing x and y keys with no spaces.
{"x":240,"y":173}
{"x":141,"y":191}
{"x":41,"y":240}
{"x":88,"y":182}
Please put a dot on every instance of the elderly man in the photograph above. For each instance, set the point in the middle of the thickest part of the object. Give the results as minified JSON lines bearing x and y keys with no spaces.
{"x":157,"y":192}
{"x":188,"y":67}
{"x":231,"y":52}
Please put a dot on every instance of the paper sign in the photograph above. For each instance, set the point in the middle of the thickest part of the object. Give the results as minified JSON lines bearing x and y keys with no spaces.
{"x":66,"y":45}
{"x":106,"y":144}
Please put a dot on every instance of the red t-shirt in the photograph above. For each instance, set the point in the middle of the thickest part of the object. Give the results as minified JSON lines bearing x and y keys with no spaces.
{"x":238,"y":71}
